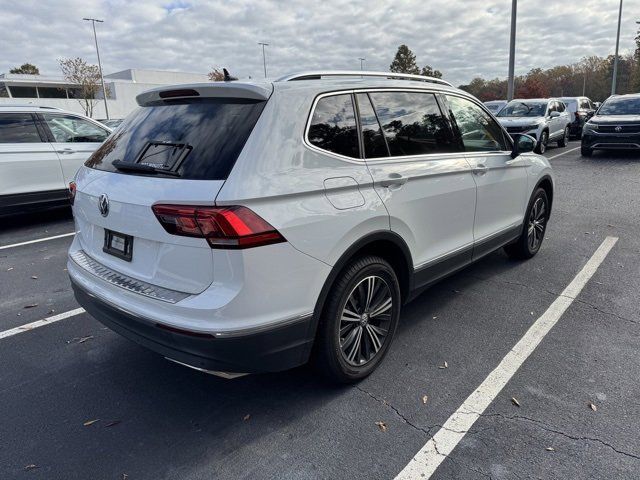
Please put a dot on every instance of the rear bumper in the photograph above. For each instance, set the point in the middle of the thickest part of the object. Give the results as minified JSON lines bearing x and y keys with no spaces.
{"x":273,"y":349}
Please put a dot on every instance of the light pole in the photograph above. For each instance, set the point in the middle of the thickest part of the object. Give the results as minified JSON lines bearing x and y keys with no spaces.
{"x":95,"y":37}
{"x":264,"y":58}
{"x":512,"y":51}
{"x":362,"y":60}
{"x":615,"y":62}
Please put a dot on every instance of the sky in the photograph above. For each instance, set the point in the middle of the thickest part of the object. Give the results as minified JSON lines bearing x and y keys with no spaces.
{"x":463,"y":39}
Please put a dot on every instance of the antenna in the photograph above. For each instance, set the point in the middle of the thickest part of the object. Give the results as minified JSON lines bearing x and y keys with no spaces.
{"x":227,"y":76}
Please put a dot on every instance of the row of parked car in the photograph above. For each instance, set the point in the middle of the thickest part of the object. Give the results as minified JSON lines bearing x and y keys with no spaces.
{"x":613,"y":125}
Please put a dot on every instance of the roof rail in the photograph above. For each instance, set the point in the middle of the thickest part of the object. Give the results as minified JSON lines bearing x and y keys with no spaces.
{"x":27,"y":105}
{"x":318,"y":74}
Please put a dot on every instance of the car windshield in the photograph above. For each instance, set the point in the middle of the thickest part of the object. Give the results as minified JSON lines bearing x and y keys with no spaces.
{"x":523,"y":109}
{"x":621,"y":106}
{"x":494,"y":107}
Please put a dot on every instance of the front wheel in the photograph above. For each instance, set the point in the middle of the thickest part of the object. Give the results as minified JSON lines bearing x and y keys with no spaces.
{"x":530,"y":241}
{"x":542,"y":143}
{"x":565,"y":138}
{"x":359,"y":321}
{"x":586,"y":151}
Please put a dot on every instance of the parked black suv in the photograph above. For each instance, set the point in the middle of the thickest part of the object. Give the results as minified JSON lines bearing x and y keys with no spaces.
{"x":615,"y":126}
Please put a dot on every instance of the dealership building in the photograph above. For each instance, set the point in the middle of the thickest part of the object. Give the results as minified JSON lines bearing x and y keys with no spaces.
{"x":122,"y":88}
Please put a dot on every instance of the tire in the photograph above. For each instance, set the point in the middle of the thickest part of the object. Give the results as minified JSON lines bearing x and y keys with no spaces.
{"x":565,"y":138}
{"x":541,"y":147}
{"x":346,"y":348}
{"x":535,"y":223}
{"x":586,"y":151}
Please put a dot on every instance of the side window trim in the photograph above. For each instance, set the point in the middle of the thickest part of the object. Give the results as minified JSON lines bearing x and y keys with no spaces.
{"x":356,"y":112}
{"x":363,"y":154}
{"x":43,"y":127}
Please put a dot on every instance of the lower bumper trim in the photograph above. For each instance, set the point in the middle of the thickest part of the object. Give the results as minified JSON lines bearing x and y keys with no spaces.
{"x":271,"y":350}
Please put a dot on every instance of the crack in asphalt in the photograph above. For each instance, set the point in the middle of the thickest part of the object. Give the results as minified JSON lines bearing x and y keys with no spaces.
{"x":598,"y":309}
{"x":426,"y":431}
{"x":550,"y":429}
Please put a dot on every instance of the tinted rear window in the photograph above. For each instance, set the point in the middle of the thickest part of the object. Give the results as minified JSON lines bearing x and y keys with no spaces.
{"x":333,"y":126}
{"x":210,"y":133}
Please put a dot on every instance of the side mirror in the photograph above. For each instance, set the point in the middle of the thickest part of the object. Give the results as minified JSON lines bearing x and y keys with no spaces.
{"x":554,"y":114}
{"x":522,"y":144}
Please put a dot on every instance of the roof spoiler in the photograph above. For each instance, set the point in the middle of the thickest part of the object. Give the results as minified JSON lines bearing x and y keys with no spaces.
{"x":247,"y":91}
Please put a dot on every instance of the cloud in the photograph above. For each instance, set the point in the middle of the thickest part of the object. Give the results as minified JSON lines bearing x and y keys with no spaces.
{"x":463,"y":39}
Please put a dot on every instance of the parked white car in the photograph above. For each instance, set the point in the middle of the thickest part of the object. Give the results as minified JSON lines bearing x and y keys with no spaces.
{"x":547,"y":120}
{"x":250,"y":226}
{"x":41,"y":149}
{"x":495,"y":106}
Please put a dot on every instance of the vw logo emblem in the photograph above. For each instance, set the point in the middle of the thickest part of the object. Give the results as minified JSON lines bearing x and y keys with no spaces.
{"x":618,"y":129}
{"x":103,"y":205}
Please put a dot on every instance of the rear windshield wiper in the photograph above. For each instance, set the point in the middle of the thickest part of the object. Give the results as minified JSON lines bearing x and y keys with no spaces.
{"x":136,"y":167}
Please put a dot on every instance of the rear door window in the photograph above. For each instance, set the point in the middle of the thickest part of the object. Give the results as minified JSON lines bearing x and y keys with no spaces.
{"x":333,"y":126}
{"x":373,"y":139}
{"x":195,"y":139}
{"x":18,"y":128}
{"x":478,"y":131}
{"x":413,"y":123}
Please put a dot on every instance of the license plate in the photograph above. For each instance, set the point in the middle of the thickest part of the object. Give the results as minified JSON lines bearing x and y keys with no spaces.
{"x":118,"y":244}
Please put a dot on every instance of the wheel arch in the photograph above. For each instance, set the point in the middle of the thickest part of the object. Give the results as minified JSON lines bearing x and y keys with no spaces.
{"x":546,"y":183}
{"x":386,"y":244}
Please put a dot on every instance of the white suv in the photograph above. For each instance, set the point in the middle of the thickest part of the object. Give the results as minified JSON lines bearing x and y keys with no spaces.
{"x":248,"y":226}
{"x":41,"y":148}
{"x":546,"y":120}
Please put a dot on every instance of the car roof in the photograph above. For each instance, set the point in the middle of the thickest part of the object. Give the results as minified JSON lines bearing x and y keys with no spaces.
{"x":309,"y":83}
{"x":28,"y":108}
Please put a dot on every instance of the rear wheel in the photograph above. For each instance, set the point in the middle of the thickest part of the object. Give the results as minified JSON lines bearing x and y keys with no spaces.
{"x":530,"y":241}
{"x":586,"y":151}
{"x":359,"y":320}
{"x":542,"y":143}
{"x":565,"y":138}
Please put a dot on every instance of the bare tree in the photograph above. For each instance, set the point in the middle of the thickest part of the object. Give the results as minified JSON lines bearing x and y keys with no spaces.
{"x":87,"y":78}
{"x":216,"y":75}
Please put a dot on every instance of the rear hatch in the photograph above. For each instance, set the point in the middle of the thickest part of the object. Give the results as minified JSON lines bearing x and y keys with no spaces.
{"x":177,"y":149}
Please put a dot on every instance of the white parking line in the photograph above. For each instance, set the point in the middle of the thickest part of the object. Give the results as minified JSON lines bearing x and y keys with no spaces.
{"x":37,"y":241}
{"x":426,"y":461}
{"x":563,"y":153}
{"x":41,"y":323}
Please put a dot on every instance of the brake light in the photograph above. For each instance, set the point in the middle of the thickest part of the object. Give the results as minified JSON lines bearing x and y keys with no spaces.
{"x":231,"y":227}
{"x":72,"y":192}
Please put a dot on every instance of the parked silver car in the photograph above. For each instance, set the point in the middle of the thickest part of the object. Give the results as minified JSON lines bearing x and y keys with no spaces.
{"x":545,"y":119}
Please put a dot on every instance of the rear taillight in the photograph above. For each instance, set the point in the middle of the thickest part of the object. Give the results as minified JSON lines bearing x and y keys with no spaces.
{"x":72,"y":192}
{"x":223,"y":227}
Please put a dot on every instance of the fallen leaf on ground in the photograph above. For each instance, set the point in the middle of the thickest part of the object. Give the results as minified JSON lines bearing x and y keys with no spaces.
{"x":246,"y":417}
{"x":435,"y":317}
{"x":550,"y":449}
{"x":125,"y":476}
{"x":9,"y":269}
{"x":90,"y":422}
{"x":84,"y":339}
{"x":31,"y":305}
{"x":424,"y":399}
{"x":35,"y":277}
{"x":515,"y":401}
{"x":31,"y":466}
{"x":445,"y":365}
{"x":593,"y":407}
{"x":382,"y":426}
{"x":111,"y":424}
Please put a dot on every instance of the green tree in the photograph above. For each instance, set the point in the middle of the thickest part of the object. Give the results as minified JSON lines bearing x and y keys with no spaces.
{"x":26,"y":68}
{"x":430,"y":72}
{"x":404,"y":61}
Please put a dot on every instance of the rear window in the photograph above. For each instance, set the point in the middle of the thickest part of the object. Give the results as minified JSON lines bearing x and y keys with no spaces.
{"x":195,"y":139}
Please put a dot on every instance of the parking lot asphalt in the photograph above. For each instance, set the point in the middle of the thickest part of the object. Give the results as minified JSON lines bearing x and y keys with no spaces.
{"x":79,"y":401}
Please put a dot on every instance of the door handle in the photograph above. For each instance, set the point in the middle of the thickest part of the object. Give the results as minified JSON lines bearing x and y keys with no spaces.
{"x":480,"y":169}
{"x":65,"y":151}
{"x":395,"y":179}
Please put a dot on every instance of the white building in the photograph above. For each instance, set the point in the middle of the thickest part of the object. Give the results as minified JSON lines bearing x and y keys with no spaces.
{"x":56,"y":92}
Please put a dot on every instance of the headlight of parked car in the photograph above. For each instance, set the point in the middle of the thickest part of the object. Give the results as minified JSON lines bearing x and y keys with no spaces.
{"x":590,"y":126}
